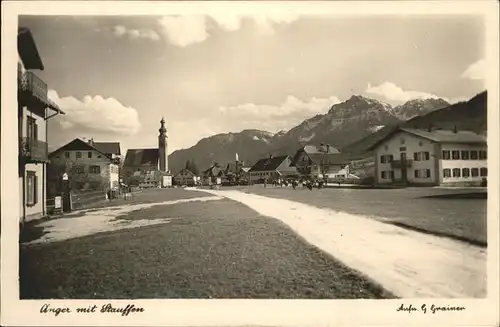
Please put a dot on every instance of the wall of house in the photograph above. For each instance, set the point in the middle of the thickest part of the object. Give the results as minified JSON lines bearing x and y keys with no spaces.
{"x":403,"y":142}
{"x":257,"y":175}
{"x":37,"y":210}
{"x":108,"y":173}
{"x":451,"y":164}
{"x":183,"y":178}
{"x":40,"y":121}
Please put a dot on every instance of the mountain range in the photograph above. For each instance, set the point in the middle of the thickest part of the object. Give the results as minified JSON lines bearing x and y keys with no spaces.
{"x":351,"y":126}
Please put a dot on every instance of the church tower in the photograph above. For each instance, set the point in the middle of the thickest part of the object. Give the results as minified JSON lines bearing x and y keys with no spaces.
{"x":163,"y":147}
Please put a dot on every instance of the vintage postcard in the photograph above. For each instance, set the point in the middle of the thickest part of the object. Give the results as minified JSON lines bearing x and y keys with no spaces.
{"x":250,"y":163}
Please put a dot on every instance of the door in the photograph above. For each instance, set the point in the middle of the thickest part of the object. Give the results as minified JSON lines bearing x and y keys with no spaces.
{"x":404,"y":172}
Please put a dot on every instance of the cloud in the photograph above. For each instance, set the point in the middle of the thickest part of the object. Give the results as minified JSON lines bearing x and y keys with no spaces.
{"x":183,"y":31}
{"x":275,"y":117}
{"x":120,"y":31}
{"x":105,"y":115}
{"x":476,"y":70}
{"x":394,"y":93}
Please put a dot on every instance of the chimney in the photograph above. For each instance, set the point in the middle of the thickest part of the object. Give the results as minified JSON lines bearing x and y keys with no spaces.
{"x":91,"y":141}
{"x":455,"y":130}
{"x":429,"y":129}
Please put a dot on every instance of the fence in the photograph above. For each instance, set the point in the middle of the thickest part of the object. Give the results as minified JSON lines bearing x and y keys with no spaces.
{"x":83,"y":200}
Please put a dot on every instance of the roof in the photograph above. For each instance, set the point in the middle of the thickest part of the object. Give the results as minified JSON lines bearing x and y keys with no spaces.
{"x":231,"y":167}
{"x":268,"y":164}
{"x":108,"y":147}
{"x":438,"y":136}
{"x":214,"y":170}
{"x":320,"y":154}
{"x":27,"y":49}
{"x":329,"y":158}
{"x":141,"y":157}
{"x":77,"y":145}
{"x":185,"y":170}
{"x":311,"y":149}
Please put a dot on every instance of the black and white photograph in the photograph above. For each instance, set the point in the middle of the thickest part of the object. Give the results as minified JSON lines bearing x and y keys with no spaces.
{"x":290,"y":152}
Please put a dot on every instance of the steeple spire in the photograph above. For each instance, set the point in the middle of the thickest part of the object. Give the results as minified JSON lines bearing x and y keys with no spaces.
{"x":163,"y":129}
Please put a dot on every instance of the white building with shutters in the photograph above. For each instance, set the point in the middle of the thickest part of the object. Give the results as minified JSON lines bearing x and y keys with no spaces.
{"x":431,"y":157}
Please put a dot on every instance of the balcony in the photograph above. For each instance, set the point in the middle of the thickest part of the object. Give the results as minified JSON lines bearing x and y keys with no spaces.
{"x":32,"y":92}
{"x":32,"y":150}
{"x":398,"y":164}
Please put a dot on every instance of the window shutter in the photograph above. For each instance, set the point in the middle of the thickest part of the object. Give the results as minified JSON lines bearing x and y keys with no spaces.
{"x":428,"y":171}
{"x":35,"y":187}
{"x":416,"y":173}
{"x":415,"y":157}
{"x":35,"y":131}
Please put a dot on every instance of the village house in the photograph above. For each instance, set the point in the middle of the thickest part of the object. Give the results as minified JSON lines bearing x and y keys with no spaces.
{"x":34,"y":110}
{"x":316,"y":161}
{"x":212,"y":174}
{"x":271,"y":168}
{"x":431,"y":157}
{"x":89,"y":165}
{"x":185,"y":177}
{"x":149,"y":167}
{"x":237,"y":171}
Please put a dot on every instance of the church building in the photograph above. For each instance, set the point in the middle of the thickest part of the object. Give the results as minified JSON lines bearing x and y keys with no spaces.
{"x":148,"y":167}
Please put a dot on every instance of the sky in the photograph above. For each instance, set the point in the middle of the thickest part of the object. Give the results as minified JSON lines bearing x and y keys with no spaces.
{"x":117,"y":76}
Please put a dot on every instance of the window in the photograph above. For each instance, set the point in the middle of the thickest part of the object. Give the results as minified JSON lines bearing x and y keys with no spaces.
{"x":473,"y":155}
{"x":422,"y":173}
{"x":419,"y":156}
{"x":78,"y":155}
{"x":446,"y":155}
{"x":386,"y":158}
{"x":387,"y":174}
{"x":32,"y":127}
{"x":484,"y":172}
{"x":482,"y":155}
{"x":403,"y":148}
{"x":420,"y":143}
{"x":465,"y":172}
{"x":475,"y":172}
{"x":446,"y":173}
{"x":455,"y":155}
{"x":79,"y":169}
{"x":31,"y":188}
{"x":465,"y":155}
{"x":66,"y":154}
{"x":99,"y":156}
{"x":456,"y":172}
{"x":89,"y":154}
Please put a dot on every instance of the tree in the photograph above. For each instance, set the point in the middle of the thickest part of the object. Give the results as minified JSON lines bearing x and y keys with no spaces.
{"x":191,"y":166}
{"x":194,"y":168}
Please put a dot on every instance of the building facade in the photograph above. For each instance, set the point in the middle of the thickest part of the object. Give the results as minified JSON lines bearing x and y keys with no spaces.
{"x":90,"y":165}
{"x":141,"y":164}
{"x":185,"y":177}
{"x":34,"y":109}
{"x":271,"y":168}
{"x":431,"y":157}
{"x":316,"y":162}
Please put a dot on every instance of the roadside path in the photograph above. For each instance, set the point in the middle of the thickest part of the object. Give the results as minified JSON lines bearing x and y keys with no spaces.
{"x":407,"y":263}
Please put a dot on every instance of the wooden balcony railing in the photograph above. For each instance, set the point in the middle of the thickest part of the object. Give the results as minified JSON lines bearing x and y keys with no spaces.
{"x":33,"y":150}
{"x":398,"y":164}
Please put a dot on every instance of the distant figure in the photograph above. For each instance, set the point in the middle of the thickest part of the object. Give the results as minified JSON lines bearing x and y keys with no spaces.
{"x":265,"y":182}
{"x":294,"y":184}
